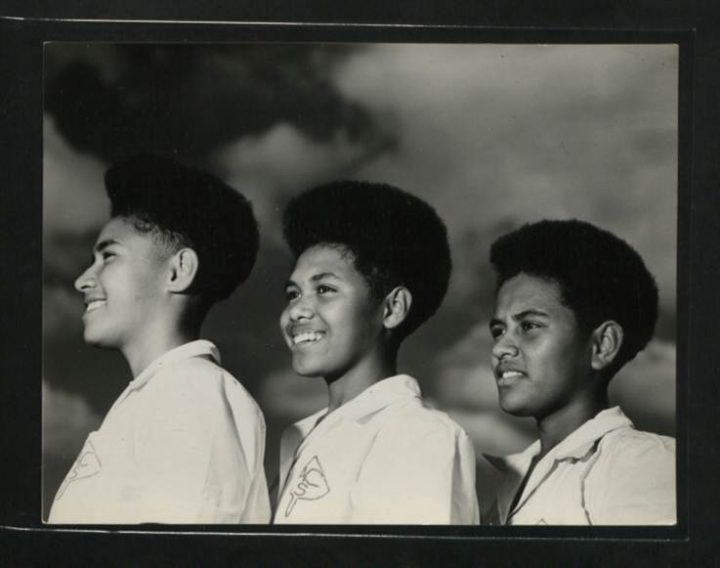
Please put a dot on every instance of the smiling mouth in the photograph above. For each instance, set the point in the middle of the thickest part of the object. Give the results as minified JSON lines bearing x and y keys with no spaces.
{"x":506,"y":378}
{"x":307,"y":338}
{"x":94,"y":305}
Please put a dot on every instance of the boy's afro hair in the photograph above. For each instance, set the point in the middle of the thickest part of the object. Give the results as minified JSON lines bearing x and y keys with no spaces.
{"x":600,"y":276}
{"x":394,"y":237}
{"x":184,"y":206}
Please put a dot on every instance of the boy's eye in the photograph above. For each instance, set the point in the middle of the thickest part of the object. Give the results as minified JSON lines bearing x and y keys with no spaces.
{"x":107,"y":255}
{"x":496,"y":331}
{"x":529,"y":325}
{"x":291,"y":295}
{"x":323,"y":289}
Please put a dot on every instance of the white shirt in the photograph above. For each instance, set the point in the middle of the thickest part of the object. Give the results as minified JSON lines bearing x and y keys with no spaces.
{"x":381,"y":458}
{"x":605,"y":473}
{"x":183,"y":443}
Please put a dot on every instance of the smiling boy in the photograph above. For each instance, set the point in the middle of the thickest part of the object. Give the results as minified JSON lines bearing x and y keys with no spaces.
{"x":372,"y":264}
{"x":574,"y":304}
{"x":184,"y":442}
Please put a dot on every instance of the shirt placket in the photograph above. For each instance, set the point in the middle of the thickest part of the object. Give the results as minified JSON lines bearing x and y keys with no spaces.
{"x":529,"y":491}
{"x":355,"y":409}
{"x":323,"y":425}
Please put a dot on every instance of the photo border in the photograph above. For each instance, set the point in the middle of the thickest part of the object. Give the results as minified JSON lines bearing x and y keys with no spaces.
{"x":21,"y":396}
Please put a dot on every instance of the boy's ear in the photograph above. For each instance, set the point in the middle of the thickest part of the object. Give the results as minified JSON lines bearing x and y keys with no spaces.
{"x":184,"y":265}
{"x":396,"y":307}
{"x":607,"y":339}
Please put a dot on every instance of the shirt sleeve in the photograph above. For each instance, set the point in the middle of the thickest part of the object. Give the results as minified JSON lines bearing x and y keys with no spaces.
{"x":417,"y":472}
{"x":191,"y":467}
{"x":634,"y":483}
{"x":236,"y":488}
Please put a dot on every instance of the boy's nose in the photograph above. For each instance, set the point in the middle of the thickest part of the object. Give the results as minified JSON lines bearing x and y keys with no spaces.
{"x":504,"y":347}
{"x":301,"y":310}
{"x":85,"y":280}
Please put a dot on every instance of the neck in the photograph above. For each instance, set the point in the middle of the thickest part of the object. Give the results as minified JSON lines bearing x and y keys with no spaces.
{"x":365,"y":374}
{"x":555,"y":427}
{"x":155,"y":343}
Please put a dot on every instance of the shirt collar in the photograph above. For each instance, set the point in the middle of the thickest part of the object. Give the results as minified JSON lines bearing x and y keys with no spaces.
{"x":371,"y":400}
{"x":574,"y":446}
{"x":378,"y":396}
{"x":519,"y":461}
{"x":196,"y":348}
{"x":577,"y":444}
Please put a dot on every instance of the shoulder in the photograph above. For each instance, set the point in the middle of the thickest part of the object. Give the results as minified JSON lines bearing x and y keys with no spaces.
{"x":419,"y":422}
{"x":631,"y":445}
{"x":191,"y":373}
{"x":204,"y":385}
{"x":633,"y":480}
{"x":631,"y":457}
{"x":421,"y":443}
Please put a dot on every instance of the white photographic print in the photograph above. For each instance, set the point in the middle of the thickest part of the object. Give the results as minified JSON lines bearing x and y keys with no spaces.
{"x":490,"y":136}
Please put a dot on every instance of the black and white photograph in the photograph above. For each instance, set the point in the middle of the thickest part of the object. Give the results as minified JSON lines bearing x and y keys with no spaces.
{"x":330,"y":284}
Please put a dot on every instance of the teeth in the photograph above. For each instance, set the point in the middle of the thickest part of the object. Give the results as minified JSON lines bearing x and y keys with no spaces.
{"x":509,"y":378}
{"x":511,"y":374}
{"x":306,"y":337}
{"x":95,"y":304}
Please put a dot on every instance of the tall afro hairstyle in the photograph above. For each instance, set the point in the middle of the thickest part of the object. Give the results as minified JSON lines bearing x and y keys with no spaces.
{"x":182,"y":206}
{"x":600,"y":276}
{"x":394,"y":237}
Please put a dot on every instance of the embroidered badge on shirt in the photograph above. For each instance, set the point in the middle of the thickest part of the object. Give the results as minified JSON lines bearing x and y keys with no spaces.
{"x":87,"y":464}
{"x":310,"y":486}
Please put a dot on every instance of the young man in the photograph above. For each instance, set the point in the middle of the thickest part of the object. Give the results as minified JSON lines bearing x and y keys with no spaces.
{"x":184,"y":442}
{"x":372,"y":264}
{"x":574,"y":304}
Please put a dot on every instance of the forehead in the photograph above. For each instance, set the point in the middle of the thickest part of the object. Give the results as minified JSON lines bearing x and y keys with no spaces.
{"x":121,"y":230}
{"x":526,"y":292}
{"x":320,"y":259}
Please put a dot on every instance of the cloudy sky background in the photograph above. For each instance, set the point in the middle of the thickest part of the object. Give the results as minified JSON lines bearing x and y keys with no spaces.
{"x":491,"y":135}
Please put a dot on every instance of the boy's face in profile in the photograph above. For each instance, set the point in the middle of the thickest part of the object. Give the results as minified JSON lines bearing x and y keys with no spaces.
{"x":122,"y":287}
{"x":540,"y":357}
{"x":331,"y":321}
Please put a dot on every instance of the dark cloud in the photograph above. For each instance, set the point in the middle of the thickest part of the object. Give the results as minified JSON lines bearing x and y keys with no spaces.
{"x":500,"y":135}
{"x":189,"y":100}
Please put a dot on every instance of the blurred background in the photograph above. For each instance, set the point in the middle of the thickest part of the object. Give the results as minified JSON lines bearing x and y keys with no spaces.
{"x":492,"y":136}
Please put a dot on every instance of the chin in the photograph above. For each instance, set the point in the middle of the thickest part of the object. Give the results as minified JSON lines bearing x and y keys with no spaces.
{"x":96,"y":340}
{"x":91,"y":339}
{"x":306,"y":370}
{"x":306,"y":373}
{"x":514,"y":407}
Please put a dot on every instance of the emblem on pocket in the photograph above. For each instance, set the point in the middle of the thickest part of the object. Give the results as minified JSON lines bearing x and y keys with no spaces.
{"x":311,"y":485}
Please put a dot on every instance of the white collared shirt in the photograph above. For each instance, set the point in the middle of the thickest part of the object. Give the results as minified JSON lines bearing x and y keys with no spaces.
{"x":381,"y":458}
{"x":604,"y":473}
{"x":184,"y":443}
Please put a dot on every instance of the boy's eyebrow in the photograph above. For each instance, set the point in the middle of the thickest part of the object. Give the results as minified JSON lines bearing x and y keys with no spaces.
{"x":521,"y":315}
{"x":314,"y":278}
{"x":102,"y":245}
{"x":529,"y":312}
{"x":321,"y":275}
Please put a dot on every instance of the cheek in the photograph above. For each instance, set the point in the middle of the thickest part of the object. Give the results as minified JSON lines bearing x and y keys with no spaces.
{"x":561,"y":364}
{"x":148,"y":282}
{"x":573,"y":354}
{"x":544,"y":361}
{"x":364,"y":321}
